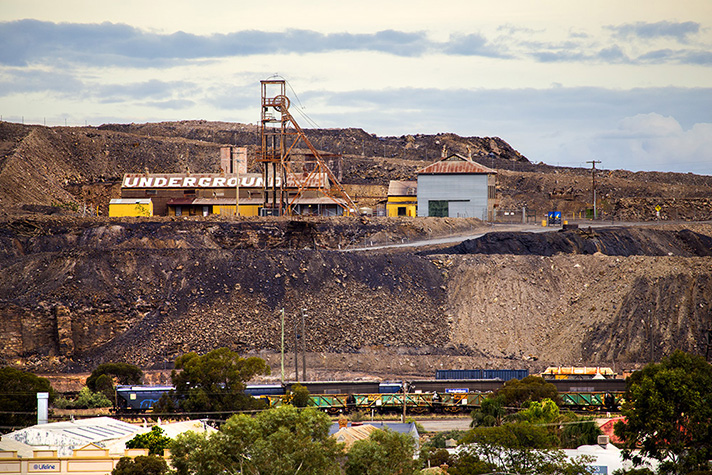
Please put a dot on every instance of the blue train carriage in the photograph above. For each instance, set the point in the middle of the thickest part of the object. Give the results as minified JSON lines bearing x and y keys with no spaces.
{"x":139,"y":398}
{"x":496,"y":374}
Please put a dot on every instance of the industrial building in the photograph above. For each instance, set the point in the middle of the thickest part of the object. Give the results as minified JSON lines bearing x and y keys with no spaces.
{"x":456,"y":186}
{"x":402,"y":198}
{"x":204,"y":194}
{"x":79,"y":447}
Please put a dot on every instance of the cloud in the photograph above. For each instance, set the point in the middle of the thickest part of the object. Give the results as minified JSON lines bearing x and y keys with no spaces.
{"x":20,"y":81}
{"x":473,"y":45}
{"x":29,"y":41}
{"x":175,"y":104}
{"x":681,"y":31}
{"x":152,"y":89}
{"x":654,"y":129}
{"x":656,"y":142}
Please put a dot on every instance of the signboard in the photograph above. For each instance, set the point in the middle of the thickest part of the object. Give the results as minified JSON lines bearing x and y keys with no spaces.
{"x":554,"y":217}
{"x":457,"y":390}
{"x":45,"y":467}
{"x":250,"y":180}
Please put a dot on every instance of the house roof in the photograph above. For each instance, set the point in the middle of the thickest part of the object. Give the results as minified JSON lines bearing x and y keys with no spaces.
{"x":69,"y":435}
{"x":455,"y":164}
{"x":365,"y":430}
{"x":402,"y":188}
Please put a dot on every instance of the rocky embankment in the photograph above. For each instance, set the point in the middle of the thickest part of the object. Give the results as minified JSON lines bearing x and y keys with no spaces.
{"x":76,"y":293}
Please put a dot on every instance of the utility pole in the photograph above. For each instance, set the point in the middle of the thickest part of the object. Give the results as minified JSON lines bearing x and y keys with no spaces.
{"x":304,"y":348}
{"x":283,"y":345}
{"x":405,"y":397}
{"x":593,"y":184}
{"x":296,"y":351}
{"x":237,"y":182}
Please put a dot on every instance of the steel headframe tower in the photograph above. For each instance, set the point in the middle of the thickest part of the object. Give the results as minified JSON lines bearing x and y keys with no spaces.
{"x":287,"y":174}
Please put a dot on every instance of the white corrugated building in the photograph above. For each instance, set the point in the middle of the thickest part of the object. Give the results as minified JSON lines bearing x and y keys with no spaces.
{"x":456,"y":187}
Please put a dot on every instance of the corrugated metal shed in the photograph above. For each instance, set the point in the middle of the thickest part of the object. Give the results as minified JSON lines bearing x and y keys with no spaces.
{"x":66,"y":436}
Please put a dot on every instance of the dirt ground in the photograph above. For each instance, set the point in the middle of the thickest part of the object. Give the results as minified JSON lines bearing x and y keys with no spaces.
{"x":78,"y":289}
{"x":80,"y":292}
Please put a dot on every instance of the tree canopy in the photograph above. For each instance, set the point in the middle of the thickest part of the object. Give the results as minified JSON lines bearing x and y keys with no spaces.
{"x":154,"y":440}
{"x":215,"y":381}
{"x":532,"y":388}
{"x":102,"y":378}
{"x":384,"y":453}
{"x":18,"y":397}
{"x":668,"y":410}
{"x":280,"y":441}
{"x":141,"y":465}
{"x":518,"y":447}
{"x":490,"y":413}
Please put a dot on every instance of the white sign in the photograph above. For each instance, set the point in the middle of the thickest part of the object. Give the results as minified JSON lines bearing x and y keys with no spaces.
{"x":180,"y":181}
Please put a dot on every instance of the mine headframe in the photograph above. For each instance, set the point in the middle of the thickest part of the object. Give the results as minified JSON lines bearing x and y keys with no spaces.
{"x":289,"y":170}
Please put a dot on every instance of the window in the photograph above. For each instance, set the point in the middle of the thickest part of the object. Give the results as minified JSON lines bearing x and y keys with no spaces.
{"x":402,"y":211}
{"x":438,"y":208}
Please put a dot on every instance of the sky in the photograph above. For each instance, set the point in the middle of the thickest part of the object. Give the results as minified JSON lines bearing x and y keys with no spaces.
{"x":564,"y":82}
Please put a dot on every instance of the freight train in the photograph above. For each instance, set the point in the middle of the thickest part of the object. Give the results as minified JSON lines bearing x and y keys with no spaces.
{"x":437,"y":396}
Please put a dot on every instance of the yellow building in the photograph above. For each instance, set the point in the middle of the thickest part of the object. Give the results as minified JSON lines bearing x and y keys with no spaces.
{"x":402,"y":198}
{"x":119,"y":207}
{"x":87,"y":460}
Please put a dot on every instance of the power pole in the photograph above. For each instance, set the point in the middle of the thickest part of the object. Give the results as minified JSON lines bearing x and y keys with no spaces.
{"x":304,"y":348}
{"x":593,"y":184}
{"x":405,"y":397}
{"x":296,"y":351}
{"x":282,"y":345}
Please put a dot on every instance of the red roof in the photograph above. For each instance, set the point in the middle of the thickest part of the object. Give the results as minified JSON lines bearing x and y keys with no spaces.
{"x":455,"y":163}
{"x":607,"y":429}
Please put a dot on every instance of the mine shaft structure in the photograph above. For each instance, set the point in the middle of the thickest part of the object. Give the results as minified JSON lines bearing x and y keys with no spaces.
{"x":288,"y":172}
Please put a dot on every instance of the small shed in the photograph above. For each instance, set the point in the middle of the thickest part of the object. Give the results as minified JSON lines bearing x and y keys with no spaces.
{"x":455,"y":186}
{"x":130,"y":207}
{"x":402,"y":198}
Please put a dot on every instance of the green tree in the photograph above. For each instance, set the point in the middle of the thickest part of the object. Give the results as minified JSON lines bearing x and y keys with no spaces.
{"x":102,"y":378}
{"x":539,"y":412}
{"x":86,"y":399}
{"x":520,"y":447}
{"x":216,"y":381}
{"x":280,"y":441}
{"x":141,"y":465}
{"x":467,"y":463}
{"x":384,"y":453}
{"x":668,"y":414}
{"x":577,"y":433}
{"x":531,"y":388}
{"x":18,"y":398}
{"x":490,"y":413}
{"x":154,"y":440}
{"x":300,"y":395}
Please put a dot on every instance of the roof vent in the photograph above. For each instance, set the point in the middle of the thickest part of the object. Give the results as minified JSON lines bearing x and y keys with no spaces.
{"x":603,"y":440}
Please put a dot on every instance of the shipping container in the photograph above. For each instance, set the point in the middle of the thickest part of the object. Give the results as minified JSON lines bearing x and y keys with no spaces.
{"x":499,"y":374}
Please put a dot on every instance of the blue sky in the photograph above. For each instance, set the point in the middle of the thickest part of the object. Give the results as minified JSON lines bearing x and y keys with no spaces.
{"x":563,"y":81}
